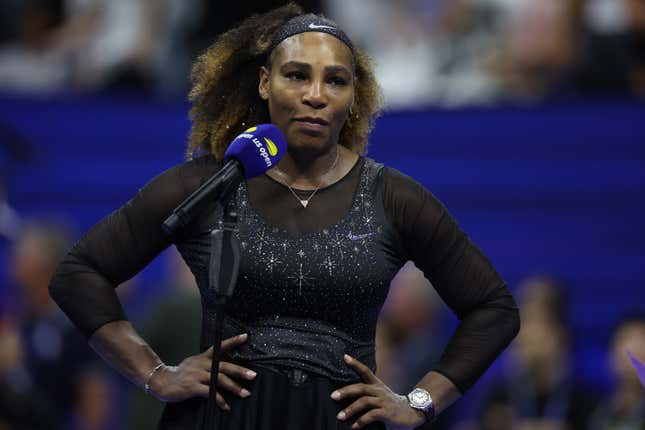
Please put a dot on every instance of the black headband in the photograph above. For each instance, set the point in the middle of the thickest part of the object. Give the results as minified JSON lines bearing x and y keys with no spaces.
{"x":306,"y":23}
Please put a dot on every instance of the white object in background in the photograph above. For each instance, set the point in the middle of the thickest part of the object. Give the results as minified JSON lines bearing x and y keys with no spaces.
{"x":606,"y":16}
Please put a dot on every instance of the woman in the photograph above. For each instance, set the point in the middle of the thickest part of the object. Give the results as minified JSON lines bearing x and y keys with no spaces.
{"x":321,"y":237}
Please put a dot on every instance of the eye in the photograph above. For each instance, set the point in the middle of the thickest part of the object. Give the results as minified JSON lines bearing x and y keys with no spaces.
{"x":295,"y":76}
{"x":337,"y":80}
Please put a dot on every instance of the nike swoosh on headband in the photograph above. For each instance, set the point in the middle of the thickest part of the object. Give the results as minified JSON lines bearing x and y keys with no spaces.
{"x":316,"y":27}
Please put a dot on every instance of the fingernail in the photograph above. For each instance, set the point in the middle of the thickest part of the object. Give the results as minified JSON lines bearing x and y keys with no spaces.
{"x":227,"y":407}
{"x":243,"y":336}
{"x":335,"y":395}
{"x":245,"y":393}
{"x":251,"y":374}
{"x":341,"y":415}
{"x":354,"y":426}
{"x":348,"y":358}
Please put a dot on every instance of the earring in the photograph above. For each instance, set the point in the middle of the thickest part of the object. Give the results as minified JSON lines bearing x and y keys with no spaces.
{"x":351,"y":110}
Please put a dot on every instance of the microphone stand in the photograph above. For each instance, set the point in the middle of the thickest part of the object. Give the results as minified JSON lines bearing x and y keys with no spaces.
{"x":222,"y":277}
{"x":223,"y":267}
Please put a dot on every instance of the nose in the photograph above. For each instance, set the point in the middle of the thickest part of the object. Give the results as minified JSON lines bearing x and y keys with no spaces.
{"x":314,"y":95}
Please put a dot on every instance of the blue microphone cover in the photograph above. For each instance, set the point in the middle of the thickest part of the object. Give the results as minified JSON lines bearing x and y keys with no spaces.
{"x":258,"y":149}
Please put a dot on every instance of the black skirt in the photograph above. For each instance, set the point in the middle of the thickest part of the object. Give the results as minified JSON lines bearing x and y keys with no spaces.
{"x":277,"y":402}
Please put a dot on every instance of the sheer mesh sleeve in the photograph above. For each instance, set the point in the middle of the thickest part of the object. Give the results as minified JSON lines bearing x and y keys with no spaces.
{"x":462,"y":275}
{"x":120,"y":245}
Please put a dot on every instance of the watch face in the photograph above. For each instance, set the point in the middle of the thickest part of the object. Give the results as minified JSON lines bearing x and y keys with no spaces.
{"x":419,"y":397}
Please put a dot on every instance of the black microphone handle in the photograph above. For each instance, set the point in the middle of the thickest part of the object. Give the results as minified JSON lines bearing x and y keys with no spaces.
{"x":215,"y":188}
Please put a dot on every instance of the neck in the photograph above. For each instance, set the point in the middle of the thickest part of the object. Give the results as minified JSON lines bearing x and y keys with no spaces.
{"x":308,"y":169}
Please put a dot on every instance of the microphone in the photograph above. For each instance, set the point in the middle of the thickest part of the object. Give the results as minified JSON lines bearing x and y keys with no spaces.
{"x":250,"y":154}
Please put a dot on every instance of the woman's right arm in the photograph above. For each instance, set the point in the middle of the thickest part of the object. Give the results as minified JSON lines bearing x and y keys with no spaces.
{"x":119,"y":344}
{"x":115,"y":250}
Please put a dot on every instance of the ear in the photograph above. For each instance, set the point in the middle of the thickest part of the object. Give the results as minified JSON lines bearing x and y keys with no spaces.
{"x":263,"y":87}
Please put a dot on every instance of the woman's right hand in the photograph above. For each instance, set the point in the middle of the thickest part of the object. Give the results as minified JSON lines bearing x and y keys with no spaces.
{"x":191,"y":378}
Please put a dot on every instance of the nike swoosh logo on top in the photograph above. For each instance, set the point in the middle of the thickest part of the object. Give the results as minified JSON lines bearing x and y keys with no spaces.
{"x":315,"y":27}
{"x":351,"y":236}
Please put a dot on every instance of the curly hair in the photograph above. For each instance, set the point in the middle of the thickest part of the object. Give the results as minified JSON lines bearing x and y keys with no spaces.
{"x":225,"y":78}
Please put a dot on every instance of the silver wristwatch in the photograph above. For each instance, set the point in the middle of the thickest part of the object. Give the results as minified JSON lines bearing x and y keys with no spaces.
{"x":420,"y":399}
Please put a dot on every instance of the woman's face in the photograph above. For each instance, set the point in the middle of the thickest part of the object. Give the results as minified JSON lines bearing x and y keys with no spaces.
{"x":309,"y":89}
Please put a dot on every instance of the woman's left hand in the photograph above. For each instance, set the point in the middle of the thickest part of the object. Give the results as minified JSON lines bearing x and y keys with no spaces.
{"x":375,"y":402}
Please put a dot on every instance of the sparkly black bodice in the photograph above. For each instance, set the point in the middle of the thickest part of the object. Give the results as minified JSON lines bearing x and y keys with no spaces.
{"x":307,"y":299}
{"x":338,"y":275}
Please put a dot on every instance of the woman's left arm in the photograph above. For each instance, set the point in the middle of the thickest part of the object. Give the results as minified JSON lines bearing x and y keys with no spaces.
{"x":462,"y":275}
{"x":466,"y":281}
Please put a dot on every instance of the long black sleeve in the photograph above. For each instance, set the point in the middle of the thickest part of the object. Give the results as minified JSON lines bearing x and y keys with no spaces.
{"x":464,"y":278}
{"x":120,"y":245}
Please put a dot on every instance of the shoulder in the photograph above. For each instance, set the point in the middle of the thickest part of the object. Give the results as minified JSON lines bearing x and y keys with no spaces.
{"x":401,"y":188}
{"x":406,"y":201}
{"x":193,"y":173}
{"x":159,"y":196}
{"x":391,"y":176}
{"x":399,"y":180}
{"x":184,"y":178}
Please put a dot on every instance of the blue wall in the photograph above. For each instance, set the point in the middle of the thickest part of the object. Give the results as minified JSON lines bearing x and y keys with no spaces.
{"x":557,"y":189}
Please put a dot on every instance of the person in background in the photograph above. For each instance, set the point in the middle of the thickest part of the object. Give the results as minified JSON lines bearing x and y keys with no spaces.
{"x":624,"y":408}
{"x":29,"y":62}
{"x":41,"y":350}
{"x":530,"y":68}
{"x":613,"y":52}
{"x":407,"y":329}
{"x":95,"y":400}
{"x":539,"y":390}
{"x":410,"y":333}
{"x":32,"y":334}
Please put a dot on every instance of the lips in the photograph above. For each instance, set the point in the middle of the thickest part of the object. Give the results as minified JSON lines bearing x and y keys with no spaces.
{"x":312,"y":120}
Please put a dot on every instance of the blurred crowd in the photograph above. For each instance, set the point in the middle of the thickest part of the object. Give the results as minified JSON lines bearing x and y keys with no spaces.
{"x":537,"y":387}
{"x":428,"y":52}
{"x":49,"y":376}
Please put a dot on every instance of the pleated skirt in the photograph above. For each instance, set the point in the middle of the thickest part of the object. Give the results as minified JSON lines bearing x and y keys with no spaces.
{"x":275,"y":403}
